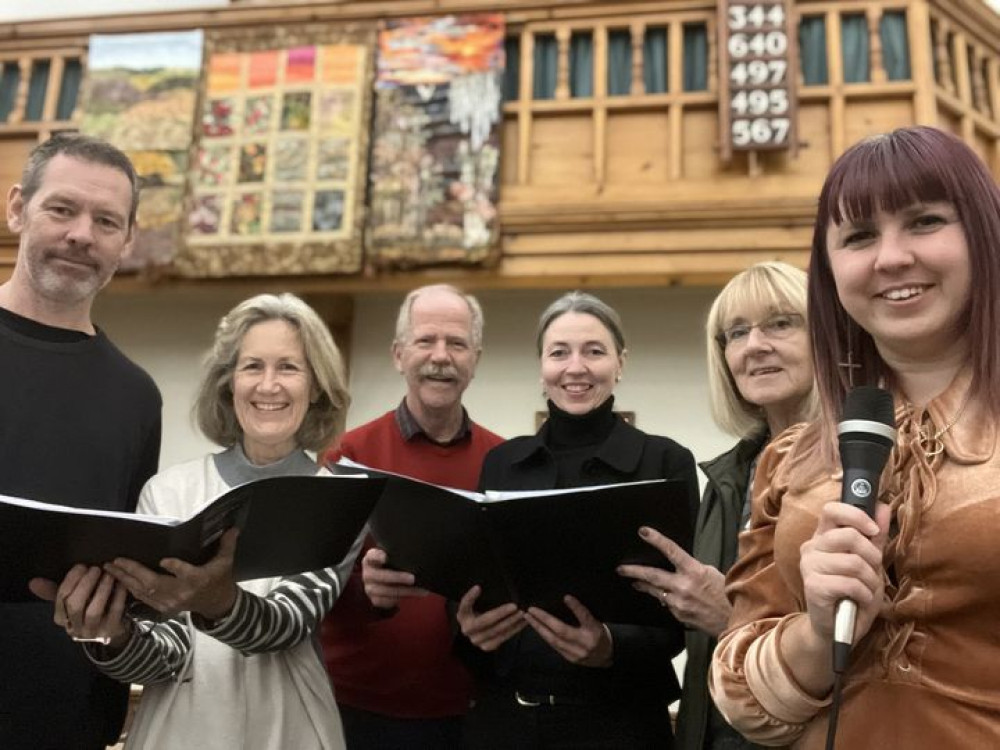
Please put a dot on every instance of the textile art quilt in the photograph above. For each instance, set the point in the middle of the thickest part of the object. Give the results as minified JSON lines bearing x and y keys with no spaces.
{"x":435,"y":149}
{"x":140,"y":95}
{"x":278,"y":181}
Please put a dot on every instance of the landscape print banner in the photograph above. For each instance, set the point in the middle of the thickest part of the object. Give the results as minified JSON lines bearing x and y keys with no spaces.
{"x":435,"y":149}
{"x":277,"y":184}
{"x":140,"y":95}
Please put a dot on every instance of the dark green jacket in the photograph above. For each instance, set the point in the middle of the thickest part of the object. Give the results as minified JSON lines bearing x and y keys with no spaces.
{"x":714,"y":544}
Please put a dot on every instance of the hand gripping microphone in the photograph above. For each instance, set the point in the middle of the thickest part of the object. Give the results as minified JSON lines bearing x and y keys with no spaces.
{"x":866,"y":435}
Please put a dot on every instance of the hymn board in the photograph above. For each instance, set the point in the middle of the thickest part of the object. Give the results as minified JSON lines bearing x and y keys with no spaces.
{"x":757,"y":72}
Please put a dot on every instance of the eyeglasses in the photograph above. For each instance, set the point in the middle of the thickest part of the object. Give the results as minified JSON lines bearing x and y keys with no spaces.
{"x":779,"y":326}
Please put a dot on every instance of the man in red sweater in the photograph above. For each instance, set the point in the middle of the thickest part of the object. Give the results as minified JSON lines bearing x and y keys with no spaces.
{"x":387,"y":644}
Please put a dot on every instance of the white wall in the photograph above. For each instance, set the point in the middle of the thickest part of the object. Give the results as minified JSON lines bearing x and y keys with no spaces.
{"x":663,"y":383}
{"x":168,"y":334}
{"x":664,"y":379}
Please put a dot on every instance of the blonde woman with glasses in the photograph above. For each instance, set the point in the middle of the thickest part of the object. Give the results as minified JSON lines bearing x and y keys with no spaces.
{"x":760,"y":382}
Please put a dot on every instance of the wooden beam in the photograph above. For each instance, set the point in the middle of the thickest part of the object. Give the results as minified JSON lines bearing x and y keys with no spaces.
{"x":918,"y":29}
{"x":835,"y":66}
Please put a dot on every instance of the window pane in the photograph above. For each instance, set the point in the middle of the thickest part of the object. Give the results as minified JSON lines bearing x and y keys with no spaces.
{"x":654,"y":60}
{"x":619,"y":62}
{"x":895,"y":47}
{"x":546,"y":59}
{"x":812,"y":50}
{"x":37,"y":85}
{"x":695,"y":57}
{"x":854,"y":41}
{"x":68,"y":89}
{"x":581,"y":64}
{"x":512,"y":68}
{"x":9,"y":82}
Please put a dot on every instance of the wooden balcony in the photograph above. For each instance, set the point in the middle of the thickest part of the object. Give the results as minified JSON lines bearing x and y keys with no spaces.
{"x":613,"y":188}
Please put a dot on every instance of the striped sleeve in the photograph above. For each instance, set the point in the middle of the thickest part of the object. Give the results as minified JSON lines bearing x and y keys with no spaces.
{"x":155,"y":652}
{"x":287,"y":615}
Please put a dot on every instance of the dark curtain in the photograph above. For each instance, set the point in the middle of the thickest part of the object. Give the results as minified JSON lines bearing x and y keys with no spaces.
{"x":581,"y":65}
{"x":854,"y":49}
{"x":895,"y":48}
{"x":37,"y":84}
{"x":695,"y":57}
{"x":9,"y":82}
{"x":619,"y":63}
{"x":654,"y":60}
{"x":812,"y":51}
{"x":68,"y":89}
{"x":546,"y":59}
{"x":512,"y":69}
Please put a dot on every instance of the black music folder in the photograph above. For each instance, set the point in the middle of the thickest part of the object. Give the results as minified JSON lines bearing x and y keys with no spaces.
{"x":287,"y":525}
{"x":532,"y":548}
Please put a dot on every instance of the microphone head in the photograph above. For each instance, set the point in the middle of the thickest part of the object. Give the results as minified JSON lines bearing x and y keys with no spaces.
{"x":871,"y":404}
{"x":868,"y":409}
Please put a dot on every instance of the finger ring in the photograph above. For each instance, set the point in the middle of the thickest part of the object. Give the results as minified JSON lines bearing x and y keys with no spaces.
{"x":663,"y":598}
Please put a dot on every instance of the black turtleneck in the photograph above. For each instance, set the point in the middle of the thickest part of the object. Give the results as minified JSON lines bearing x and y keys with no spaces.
{"x":575,"y":438}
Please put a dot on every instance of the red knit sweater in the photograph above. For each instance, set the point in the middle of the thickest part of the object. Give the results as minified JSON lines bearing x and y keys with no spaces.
{"x":403,"y":665}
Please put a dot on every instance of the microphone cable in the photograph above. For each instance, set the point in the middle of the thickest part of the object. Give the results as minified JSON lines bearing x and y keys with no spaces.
{"x":834,"y":715}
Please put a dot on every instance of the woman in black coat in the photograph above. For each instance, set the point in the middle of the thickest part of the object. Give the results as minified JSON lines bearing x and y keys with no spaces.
{"x":545,"y":683}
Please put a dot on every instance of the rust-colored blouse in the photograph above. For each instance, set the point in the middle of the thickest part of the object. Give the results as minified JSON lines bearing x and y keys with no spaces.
{"x":927,"y":675}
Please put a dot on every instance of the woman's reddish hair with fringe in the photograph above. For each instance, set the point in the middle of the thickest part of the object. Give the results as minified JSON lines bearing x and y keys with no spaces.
{"x":892,"y":172}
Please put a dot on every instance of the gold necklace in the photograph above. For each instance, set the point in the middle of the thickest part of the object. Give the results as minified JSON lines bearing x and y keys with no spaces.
{"x":932,"y":445}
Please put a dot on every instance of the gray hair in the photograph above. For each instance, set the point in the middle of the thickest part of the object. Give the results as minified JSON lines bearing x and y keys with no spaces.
{"x":404,"y":322}
{"x":84,"y":148}
{"x":213,"y":408}
{"x":769,"y":287}
{"x":581,"y":302}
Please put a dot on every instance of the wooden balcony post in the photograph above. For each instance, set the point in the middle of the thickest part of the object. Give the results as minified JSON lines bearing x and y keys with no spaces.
{"x":918,"y":29}
{"x":562,"y":72}
{"x":675,"y":118}
{"x":878,"y":74}
{"x":835,"y":64}
{"x":960,"y":57}
{"x":945,"y":76}
{"x":57,"y":66}
{"x":993,"y":76}
{"x":600,"y":63}
{"x":21,"y":98}
{"x":713,"y":57}
{"x":980,"y":100}
{"x":78,"y":107}
{"x":527,"y":94}
{"x":638,"y":32}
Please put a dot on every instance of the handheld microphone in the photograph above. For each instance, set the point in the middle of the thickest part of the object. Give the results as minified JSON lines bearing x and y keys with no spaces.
{"x":866,"y":434}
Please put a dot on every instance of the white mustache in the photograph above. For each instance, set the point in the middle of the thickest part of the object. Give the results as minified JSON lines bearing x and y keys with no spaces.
{"x":432,"y":371}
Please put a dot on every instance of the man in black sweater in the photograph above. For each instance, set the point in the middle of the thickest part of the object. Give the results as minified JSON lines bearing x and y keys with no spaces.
{"x":79,"y":422}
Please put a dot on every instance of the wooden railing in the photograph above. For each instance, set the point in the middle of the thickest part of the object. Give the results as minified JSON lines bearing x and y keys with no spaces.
{"x":540,"y":123}
{"x":38,"y":89}
{"x":966,"y":77}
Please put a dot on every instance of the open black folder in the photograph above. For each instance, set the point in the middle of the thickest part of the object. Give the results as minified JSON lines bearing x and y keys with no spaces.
{"x":532,"y":548}
{"x":287,"y":525}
